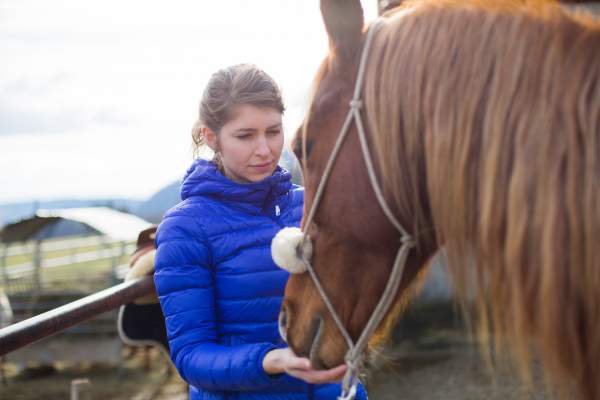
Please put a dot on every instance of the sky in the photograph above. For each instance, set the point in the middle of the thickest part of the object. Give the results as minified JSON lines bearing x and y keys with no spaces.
{"x":97,"y":98}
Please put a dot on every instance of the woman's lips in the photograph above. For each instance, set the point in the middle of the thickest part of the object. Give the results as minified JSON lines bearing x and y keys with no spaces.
{"x":265,"y":167}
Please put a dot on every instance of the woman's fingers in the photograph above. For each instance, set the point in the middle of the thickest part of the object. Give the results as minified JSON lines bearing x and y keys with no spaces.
{"x":314,"y":376}
{"x":300,"y":368}
{"x":298,"y":363}
{"x":292,"y":361}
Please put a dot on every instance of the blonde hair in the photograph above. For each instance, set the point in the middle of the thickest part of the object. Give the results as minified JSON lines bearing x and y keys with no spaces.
{"x":228,"y":88}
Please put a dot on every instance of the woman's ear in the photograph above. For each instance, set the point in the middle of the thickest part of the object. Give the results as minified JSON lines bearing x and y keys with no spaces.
{"x":210,"y":138}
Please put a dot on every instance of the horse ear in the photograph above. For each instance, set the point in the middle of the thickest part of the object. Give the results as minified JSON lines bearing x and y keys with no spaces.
{"x":343,"y":22}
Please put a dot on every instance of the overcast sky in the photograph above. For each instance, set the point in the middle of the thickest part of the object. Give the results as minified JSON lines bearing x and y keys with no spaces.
{"x":97,"y":98}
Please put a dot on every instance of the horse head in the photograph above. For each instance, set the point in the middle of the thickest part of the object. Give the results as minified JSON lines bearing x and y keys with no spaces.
{"x":354,"y":243}
{"x":481,"y":145}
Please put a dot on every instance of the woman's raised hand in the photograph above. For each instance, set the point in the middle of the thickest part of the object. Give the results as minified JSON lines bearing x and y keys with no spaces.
{"x":284,"y":360}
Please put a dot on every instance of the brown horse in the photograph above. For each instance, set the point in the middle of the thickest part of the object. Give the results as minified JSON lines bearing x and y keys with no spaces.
{"x":484,"y":117}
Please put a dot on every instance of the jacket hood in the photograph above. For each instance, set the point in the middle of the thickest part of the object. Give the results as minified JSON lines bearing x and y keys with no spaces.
{"x":203,"y":178}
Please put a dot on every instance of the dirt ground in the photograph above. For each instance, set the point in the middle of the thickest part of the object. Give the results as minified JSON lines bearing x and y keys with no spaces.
{"x":432,"y":359}
{"x":138,"y":378}
{"x":453,"y":373}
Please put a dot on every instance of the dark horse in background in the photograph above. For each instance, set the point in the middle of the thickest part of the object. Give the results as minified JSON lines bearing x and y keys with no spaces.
{"x":484,"y":119}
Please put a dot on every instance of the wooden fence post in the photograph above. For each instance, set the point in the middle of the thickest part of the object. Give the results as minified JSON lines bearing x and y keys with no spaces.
{"x":80,"y":389}
{"x":3,"y":263}
{"x":37,"y":265}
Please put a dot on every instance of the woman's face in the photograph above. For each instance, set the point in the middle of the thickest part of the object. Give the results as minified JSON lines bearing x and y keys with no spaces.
{"x":250,"y":143}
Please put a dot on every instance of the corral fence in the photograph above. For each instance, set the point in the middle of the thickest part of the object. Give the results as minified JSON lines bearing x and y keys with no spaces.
{"x":45,"y":281}
{"x":53,"y":321}
{"x":38,"y":265}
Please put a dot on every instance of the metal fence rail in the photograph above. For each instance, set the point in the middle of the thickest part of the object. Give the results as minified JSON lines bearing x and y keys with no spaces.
{"x":33,"y":329}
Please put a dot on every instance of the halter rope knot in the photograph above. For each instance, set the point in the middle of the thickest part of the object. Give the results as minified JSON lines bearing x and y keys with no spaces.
{"x":356,"y":104}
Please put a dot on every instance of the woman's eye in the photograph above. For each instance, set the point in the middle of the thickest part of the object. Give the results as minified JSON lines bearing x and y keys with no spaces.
{"x":276,"y":132}
{"x":246,"y":136}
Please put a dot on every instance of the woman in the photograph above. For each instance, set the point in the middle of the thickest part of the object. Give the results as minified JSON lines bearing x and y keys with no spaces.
{"x":219,"y":289}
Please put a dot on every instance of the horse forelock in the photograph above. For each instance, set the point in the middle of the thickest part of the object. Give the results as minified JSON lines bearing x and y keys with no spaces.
{"x":485,"y":119}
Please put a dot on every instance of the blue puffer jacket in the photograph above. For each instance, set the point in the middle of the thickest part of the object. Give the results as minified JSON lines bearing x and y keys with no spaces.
{"x":220,"y":290}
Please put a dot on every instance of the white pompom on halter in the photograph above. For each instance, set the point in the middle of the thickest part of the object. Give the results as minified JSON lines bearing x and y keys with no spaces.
{"x":288,"y":249}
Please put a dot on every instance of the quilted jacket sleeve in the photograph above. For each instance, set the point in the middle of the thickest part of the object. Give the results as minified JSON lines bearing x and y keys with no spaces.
{"x":184,"y":283}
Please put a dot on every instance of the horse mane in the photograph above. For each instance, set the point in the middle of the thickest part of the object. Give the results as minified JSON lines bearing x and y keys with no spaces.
{"x":485,"y":118}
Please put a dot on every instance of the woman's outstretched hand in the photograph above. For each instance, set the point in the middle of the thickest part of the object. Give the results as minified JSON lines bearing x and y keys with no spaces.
{"x":284,"y":360}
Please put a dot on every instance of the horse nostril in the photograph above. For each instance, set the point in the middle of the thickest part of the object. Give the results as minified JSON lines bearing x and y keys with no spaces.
{"x":282,"y":322}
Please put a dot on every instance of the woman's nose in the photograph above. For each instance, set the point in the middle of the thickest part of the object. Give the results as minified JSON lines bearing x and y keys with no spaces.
{"x":262,"y":148}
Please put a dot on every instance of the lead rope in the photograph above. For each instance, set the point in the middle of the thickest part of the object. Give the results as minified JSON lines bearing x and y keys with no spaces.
{"x":354,"y":356}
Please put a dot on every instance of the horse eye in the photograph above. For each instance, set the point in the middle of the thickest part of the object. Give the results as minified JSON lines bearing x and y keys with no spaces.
{"x":297,"y":148}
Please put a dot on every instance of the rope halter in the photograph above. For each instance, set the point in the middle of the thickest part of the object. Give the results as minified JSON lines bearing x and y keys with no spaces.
{"x":292,"y":249}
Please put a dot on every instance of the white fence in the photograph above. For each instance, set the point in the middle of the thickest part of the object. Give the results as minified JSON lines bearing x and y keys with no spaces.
{"x":37,"y":258}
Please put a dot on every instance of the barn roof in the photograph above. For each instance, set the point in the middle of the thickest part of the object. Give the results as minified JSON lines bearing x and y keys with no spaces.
{"x":94,"y":220}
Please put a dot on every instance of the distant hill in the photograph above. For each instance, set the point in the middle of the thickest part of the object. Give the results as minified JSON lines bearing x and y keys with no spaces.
{"x":151,"y":210}
{"x":13,"y":212}
{"x":154,"y":208}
